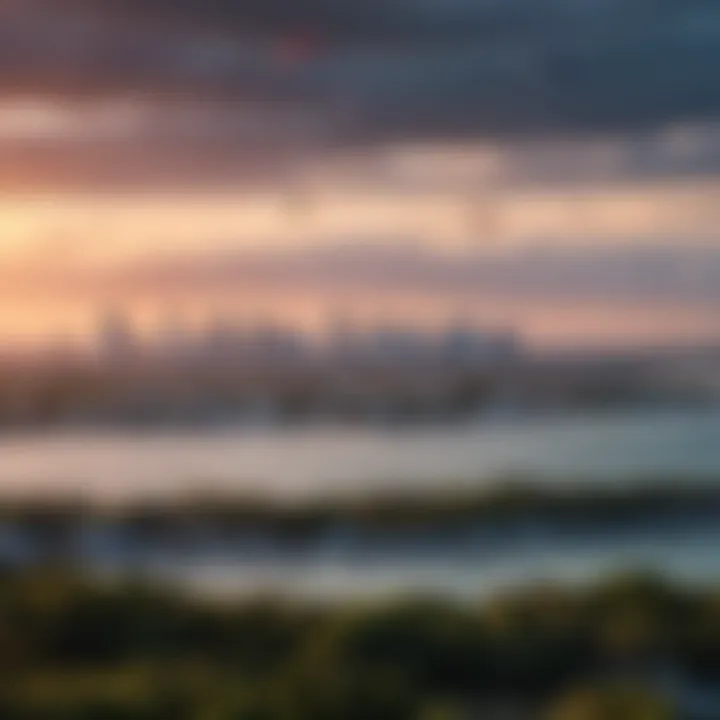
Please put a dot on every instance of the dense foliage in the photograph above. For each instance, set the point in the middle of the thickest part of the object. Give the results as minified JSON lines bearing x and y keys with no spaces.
{"x":75,"y":649}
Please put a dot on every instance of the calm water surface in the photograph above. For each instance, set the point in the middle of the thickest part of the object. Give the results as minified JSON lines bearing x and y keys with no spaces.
{"x":289,"y":462}
{"x":292,"y":462}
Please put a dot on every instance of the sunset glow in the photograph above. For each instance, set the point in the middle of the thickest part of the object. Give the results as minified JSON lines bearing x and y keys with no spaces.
{"x":75,"y":232}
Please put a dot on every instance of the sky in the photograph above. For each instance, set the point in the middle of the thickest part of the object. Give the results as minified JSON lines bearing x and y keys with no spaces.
{"x":397,"y":162}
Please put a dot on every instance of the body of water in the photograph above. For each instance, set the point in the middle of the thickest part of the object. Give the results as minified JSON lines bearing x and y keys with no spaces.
{"x":287,"y":463}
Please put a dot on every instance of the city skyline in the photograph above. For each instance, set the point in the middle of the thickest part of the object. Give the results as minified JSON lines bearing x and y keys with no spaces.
{"x":222,"y":332}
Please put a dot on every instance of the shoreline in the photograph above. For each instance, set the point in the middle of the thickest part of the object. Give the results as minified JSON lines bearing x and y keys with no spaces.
{"x":509,"y":508}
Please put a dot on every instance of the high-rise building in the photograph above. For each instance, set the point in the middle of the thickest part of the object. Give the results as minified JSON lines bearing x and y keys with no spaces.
{"x":175,"y":342}
{"x":465,"y":345}
{"x":117,"y":339}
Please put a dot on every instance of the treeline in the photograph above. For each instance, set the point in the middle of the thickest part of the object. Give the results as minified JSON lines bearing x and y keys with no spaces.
{"x":74,"y":650}
{"x":446,"y":517}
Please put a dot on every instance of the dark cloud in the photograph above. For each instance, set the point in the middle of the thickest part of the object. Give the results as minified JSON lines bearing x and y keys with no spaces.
{"x":395,"y":68}
{"x":337,"y":21}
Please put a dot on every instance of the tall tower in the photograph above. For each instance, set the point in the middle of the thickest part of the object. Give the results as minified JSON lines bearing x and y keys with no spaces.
{"x":117,"y":340}
{"x":174,"y":339}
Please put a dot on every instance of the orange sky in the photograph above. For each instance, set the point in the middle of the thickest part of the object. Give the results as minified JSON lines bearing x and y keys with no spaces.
{"x":56,"y":228}
{"x":41,"y":232}
{"x":111,"y":227}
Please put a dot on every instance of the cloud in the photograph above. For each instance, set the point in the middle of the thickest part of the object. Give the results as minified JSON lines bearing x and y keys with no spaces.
{"x":670,"y":274}
{"x":394,"y":68}
{"x":627,"y":294}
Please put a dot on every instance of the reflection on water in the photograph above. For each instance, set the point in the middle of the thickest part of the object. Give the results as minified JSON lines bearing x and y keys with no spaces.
{"x":289,"y":462}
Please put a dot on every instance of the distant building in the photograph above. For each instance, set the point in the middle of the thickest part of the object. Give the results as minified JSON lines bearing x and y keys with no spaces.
{"x":343,"y":343}
{"x":270,"y":345}
{"x":174,"y":341}
{"x":399,"y":346}
{"x":466,"y":346}
{"x":117,"y":339}
{"x":223,"y":342}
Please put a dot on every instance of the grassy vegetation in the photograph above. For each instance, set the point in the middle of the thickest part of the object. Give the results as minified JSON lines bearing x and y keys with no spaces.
{"x":71,"y":649}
